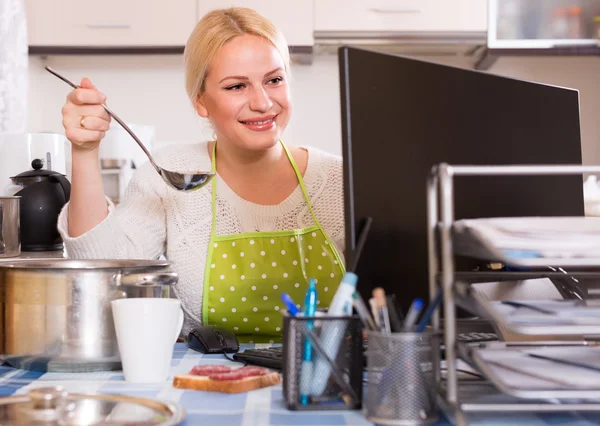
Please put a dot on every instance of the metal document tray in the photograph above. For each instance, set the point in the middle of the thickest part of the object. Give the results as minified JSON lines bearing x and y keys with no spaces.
{"x":512,"y":377}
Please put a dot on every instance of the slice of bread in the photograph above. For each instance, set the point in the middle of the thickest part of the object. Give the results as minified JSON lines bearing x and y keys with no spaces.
{"x":190,"y":381}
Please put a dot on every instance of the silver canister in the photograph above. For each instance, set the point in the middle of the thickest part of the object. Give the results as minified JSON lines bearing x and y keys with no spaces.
{"x":10,"y":239}
{"x":401,"y":387}
{"x":57,"y":314}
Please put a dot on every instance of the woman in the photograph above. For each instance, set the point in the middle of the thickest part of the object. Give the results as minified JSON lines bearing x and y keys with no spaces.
{"x":271,"y":219}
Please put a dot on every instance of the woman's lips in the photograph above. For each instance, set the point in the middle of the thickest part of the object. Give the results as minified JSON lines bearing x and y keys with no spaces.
{"x":260,"y":125}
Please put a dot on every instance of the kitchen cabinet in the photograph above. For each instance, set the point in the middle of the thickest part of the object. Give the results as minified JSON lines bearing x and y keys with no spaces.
{"x":544,"y":24}
{"x":109,"y":23}
{"x":293,"y":17}
{"x":400,"y":16}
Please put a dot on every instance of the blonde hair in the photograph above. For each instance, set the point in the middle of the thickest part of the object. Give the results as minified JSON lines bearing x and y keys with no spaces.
{"x":214,"y":30}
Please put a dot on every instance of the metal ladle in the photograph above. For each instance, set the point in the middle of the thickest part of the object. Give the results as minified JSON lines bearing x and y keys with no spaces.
{"x":186,"y":181}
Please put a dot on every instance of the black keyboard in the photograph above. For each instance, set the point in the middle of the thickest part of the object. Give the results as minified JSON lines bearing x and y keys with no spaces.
{"x":273,"y":357}
{"x":264,"y":357}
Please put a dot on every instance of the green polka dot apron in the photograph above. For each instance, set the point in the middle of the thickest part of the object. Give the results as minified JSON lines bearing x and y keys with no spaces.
{"x":246,"y":273}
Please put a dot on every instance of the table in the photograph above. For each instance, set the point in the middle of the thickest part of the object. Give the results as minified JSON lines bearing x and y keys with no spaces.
{"x":256,"y":408}
{"x":261,"y":407}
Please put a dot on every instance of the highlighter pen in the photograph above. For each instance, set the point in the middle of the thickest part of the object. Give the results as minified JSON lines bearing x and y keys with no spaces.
{"x":332,"y":332}
{"x":289,"y":303}
{"x":310,"y":310}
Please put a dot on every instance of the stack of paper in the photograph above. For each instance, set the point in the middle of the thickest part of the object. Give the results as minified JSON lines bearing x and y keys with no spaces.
{"x":518,"y":369}
{"x":558,"y":317}
{"x":531,"y":237}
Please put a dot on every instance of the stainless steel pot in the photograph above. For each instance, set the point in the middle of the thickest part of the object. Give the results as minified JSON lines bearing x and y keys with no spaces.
{"x":57,"y":314}
{"x":10,"y":240}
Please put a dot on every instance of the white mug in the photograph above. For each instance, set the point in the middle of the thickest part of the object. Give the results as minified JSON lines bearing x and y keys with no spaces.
{"x":147,"y":329}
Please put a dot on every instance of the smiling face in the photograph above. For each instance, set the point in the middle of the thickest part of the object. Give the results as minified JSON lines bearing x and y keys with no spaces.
{"x":246,"y":95}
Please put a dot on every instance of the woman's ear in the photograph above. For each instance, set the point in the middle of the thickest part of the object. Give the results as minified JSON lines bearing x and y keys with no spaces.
{"x":201,"y":108}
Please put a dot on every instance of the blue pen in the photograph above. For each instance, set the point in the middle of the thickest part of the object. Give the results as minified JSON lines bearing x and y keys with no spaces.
{"x":310,"y":310}
{"x":289,"y":303}
{"x":412,"y":315}
{"x":429,"y":312}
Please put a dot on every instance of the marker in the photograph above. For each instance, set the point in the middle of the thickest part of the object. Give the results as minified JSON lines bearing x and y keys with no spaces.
{"x":413,"y":314}
{"x":310,"y":310}
{"x":289,"y":303}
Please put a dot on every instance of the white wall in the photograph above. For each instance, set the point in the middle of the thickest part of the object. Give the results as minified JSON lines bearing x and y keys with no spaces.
{"x":150,"y":90}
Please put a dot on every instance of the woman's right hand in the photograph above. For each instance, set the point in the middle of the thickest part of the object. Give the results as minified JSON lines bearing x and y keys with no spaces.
{"x":84,"y":118}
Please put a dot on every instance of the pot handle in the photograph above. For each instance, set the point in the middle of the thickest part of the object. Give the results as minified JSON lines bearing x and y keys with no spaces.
{"x":147,"y":279}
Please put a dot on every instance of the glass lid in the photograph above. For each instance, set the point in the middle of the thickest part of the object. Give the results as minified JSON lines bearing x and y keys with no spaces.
{"x":54,"y":406}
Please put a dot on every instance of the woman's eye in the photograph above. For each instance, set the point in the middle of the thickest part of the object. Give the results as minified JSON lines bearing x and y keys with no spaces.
{"x":235,"y":87}
{"x":276,"y":80}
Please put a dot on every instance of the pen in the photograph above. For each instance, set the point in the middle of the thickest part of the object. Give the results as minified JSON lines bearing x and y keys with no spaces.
{"x":374,"y":312}
{"x":310,"y":309}
{"x":393,"y":313}
{"x":363,"y":312}
{"x":429,"y":312}
{"x":289,"y":303}
{"x":360,"y":244}
{"x":413,"y":314}
{"x":382,"y":311}
{"x":516,"y":304}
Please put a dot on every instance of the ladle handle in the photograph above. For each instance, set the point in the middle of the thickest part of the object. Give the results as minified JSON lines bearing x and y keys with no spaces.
{"x":113,"y":115}
{"x":135,"y":138}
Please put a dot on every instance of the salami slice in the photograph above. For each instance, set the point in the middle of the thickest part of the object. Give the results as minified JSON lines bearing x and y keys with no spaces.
{"x":207,"y":370}
{"x":253,"y":371}
{"x":239,"y":373}
{"x":232,"y":375}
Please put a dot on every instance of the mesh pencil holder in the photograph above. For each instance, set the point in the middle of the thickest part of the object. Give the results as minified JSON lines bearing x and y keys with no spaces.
{"x":331,"y":382}
{"x":400,"y":379}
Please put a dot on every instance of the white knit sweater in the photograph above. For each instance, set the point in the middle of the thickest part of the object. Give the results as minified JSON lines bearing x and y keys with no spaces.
{"x":154,"y":220}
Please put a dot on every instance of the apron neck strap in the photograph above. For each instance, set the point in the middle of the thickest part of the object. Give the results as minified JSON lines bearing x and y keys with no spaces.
{"x":294,"y":166}
{"x":300,"y":182}
{"x":213,"y":168}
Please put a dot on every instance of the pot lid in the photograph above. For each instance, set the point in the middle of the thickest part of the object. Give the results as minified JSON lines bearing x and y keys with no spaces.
{"x":55,"y":406}
{"x":37,"y":171}
{"x":95,"y":264}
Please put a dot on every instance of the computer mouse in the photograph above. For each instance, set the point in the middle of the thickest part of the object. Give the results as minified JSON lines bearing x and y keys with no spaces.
{"x":211,"y":339}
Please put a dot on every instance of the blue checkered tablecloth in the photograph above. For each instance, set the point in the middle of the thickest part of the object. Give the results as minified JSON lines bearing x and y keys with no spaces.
{"x":256,"y":408}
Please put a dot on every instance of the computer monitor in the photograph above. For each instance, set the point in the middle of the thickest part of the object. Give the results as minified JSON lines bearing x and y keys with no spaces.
{"x":401,"y":116}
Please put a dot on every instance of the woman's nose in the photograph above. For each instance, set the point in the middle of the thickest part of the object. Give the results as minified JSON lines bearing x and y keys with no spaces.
{"x":260,"y":100}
